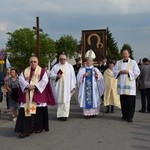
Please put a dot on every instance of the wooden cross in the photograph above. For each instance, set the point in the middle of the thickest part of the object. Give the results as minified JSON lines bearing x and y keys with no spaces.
{"x":38,"y":30}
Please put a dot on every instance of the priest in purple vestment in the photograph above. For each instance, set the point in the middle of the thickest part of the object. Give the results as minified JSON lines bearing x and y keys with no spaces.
{"x":34,"y":97}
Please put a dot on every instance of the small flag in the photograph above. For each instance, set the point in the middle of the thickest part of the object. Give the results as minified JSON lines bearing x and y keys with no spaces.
{"x":8,"y":65}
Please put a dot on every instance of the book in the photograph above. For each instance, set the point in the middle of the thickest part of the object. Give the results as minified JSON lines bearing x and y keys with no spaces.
{"x":60,"y":72}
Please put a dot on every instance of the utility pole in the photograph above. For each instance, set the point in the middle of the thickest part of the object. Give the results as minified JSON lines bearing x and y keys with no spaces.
{"x":38,"y":30}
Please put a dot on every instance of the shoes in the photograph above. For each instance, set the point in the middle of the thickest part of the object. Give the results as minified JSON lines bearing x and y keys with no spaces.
{"x":87,"y":117}
{"x":142,"y":111}
{"x":107,"y":110}
{"x":112,"y":111}
{"x":129,"y":120}
{"x":63,"y":118}
{"x":123,"y":118}
{"x":93,"y":116}
{"x":23,"y":135}
{"x":38,"y":131}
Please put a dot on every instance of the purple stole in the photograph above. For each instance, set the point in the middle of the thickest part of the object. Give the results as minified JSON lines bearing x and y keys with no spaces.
{"x":46,"y":96}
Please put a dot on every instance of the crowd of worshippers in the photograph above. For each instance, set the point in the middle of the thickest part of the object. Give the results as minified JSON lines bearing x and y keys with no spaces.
{"x":109,"y":84}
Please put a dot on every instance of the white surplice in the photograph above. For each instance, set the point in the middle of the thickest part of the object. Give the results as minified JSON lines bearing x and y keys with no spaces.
{"x":63,"y":87}
{"x":126,"y":83}
{"x":40,"y":86}
{"x":98,"y":89}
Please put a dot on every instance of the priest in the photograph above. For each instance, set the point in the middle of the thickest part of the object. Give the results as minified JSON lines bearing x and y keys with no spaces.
{"x":126,"y":70}
{"x":34,"y":96}
{"x":63,"y":81}
{"x":91,"y":87}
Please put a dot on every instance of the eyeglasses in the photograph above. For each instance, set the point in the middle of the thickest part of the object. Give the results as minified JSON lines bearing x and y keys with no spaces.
{"x":32,"y":61}
{"x":63,"y":59}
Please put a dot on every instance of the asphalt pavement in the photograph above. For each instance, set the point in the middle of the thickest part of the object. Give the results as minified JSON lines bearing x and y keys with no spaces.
{"x":105,"y":132}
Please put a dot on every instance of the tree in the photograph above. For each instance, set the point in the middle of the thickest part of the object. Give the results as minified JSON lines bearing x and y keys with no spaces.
{"x":127,"y":46}
{"x":22,"y":45}
{"x":67,"y":44}
{"x":112,"y":48}
{"x":47,"y":48}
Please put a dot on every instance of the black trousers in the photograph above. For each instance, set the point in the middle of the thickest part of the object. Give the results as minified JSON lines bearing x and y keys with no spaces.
{"x":145,"y":96}
{"x":110,"y":108}
{"x":127,"y":106}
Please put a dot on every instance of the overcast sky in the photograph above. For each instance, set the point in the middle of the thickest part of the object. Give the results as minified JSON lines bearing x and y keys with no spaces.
{"x":128,"y":20}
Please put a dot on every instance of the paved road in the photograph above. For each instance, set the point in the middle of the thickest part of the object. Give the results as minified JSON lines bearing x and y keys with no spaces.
{"x":106,"y":132}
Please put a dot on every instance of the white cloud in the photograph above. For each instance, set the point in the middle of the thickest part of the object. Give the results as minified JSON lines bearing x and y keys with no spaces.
{"x":36,"y":6}
{"x":98,"y":6}
{"x":3,"y":26}
{"x":58,"y":17}
{"x":131,"y":6}
{"x":79,"y":6}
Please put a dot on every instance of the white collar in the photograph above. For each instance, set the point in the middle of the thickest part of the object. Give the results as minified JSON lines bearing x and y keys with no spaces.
{"x":89,"y":67}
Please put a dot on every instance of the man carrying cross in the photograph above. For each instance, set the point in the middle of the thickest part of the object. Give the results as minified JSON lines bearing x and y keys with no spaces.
{"x":34,"y":96}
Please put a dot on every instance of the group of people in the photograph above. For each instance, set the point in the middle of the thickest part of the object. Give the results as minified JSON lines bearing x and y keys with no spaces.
{"x":120,"y":85}
{"x":112,"y":85}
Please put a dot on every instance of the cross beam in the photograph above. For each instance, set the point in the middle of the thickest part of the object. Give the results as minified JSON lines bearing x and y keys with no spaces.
{"x":38,"y":30}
